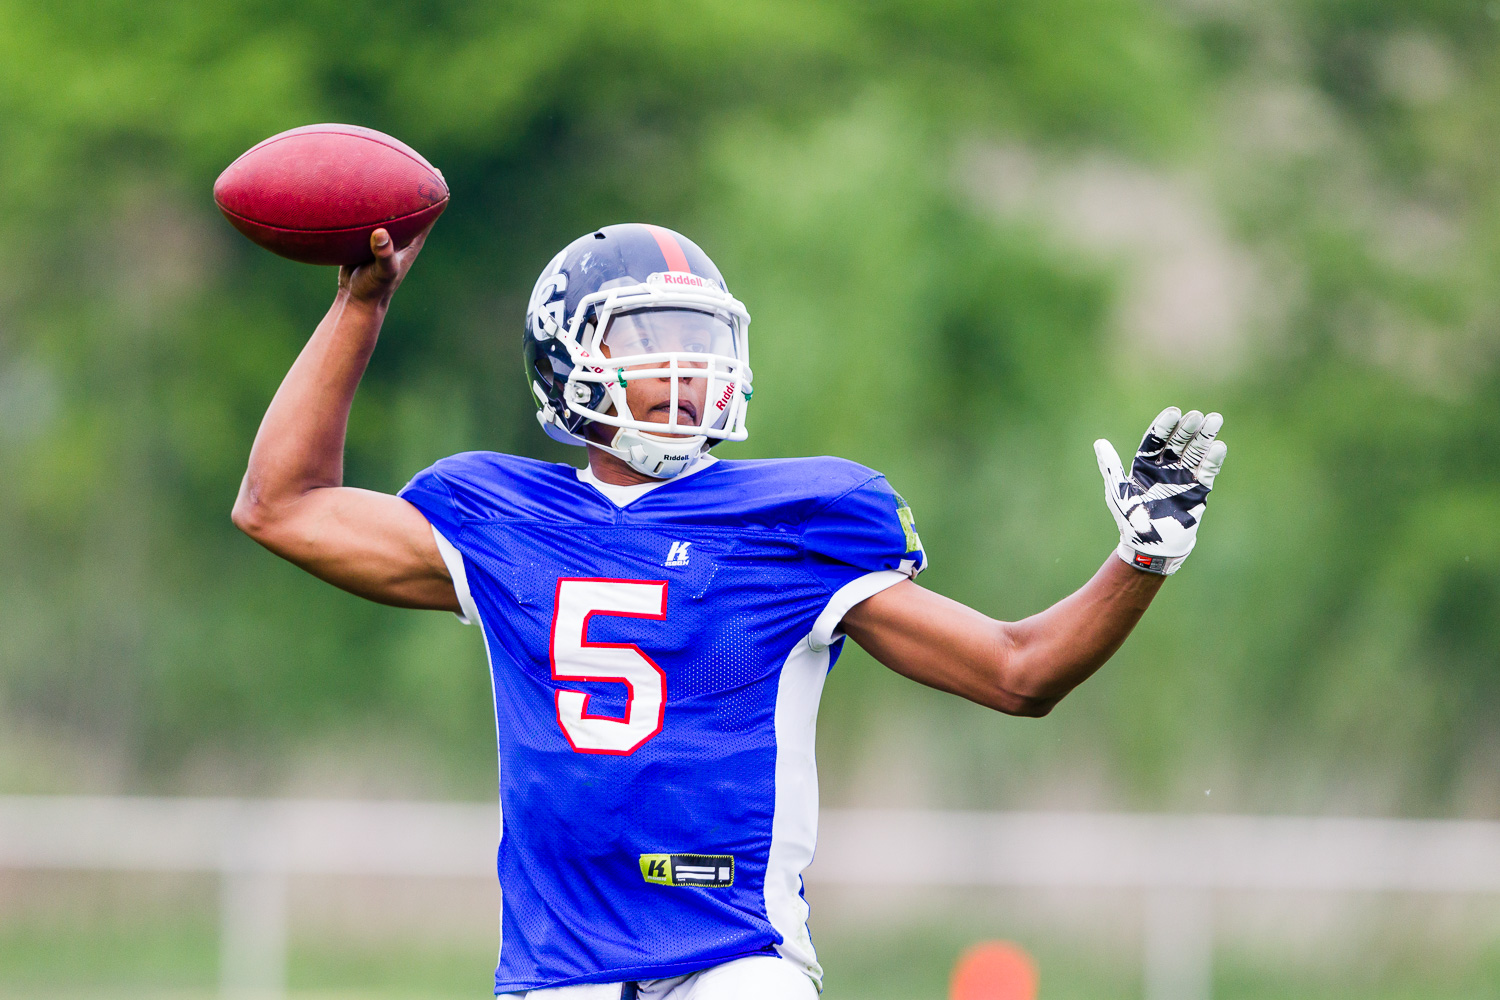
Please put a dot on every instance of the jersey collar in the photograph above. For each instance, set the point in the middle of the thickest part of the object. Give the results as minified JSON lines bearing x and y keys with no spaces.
{"x":622,"y":496}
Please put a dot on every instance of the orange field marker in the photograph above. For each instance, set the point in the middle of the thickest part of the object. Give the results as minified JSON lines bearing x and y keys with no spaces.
{"x":993,"y":970}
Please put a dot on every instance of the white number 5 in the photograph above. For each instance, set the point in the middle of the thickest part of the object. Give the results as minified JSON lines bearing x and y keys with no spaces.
{"x":574,"y":658}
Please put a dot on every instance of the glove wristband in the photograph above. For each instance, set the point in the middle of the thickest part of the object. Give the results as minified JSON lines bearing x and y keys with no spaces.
{"x":1146,"y":562}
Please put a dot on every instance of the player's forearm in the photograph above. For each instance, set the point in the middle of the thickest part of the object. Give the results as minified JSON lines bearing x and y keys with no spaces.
{"x":1020,"y":668}
{"x":1051,"y":653}
{"x":300,"y":444}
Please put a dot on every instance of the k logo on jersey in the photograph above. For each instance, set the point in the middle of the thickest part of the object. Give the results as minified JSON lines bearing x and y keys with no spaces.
{"x":677,"y":555}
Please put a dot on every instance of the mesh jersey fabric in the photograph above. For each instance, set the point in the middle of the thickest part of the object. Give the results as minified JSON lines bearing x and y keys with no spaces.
{"x":744,"y":556}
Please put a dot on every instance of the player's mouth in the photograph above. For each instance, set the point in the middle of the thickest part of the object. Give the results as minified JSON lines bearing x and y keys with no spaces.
{"x":687,"y":412}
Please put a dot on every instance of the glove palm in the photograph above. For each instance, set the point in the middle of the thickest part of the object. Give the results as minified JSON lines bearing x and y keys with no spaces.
{"x":1159,"y":505}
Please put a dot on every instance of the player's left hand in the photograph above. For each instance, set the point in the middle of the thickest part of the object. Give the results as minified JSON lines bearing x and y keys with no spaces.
{"x":1160,"y":504}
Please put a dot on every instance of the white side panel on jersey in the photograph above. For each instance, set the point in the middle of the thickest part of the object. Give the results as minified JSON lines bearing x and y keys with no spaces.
{"x":826,"y":628}
{"x":794,"y":826}
{"x":454,"y":560}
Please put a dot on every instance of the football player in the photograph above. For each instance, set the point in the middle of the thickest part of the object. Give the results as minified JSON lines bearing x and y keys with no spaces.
{"x":659,"y":623}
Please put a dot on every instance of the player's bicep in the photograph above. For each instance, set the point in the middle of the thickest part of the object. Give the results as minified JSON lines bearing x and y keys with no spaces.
{"x":936,"y":641}
{"x":371,"y":544}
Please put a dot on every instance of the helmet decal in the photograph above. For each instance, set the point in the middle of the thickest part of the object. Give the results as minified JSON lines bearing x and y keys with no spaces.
{"x":671,"y":250}
{"x":544,"y":313}
{"x":680,"y":279}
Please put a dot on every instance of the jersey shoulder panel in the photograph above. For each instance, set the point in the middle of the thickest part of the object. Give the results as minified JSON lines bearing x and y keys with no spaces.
{"x":780,"y":494}
{"x":489,"y":486}
{"x":846,"y":514}
{"x":818,"y":475}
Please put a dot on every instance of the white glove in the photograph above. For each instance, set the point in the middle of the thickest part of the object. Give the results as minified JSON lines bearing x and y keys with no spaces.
{"x":1158,"y":506}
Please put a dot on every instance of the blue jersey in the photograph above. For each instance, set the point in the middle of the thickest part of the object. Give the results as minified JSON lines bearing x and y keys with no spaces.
{"x":657,"y":654}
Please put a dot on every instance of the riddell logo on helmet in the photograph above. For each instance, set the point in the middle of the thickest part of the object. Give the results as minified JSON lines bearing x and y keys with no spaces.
{"x":680,"y":279}
{"x":724,"y":399}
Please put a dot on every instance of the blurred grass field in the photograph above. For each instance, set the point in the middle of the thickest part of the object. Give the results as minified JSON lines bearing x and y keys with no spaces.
{"x":177,"y":962}
{"x":124,"y":938}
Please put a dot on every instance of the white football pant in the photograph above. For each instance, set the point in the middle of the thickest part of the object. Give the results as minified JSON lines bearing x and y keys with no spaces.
{"x":759,"y":977}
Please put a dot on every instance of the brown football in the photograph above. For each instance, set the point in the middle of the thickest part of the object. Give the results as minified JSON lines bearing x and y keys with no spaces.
{"x":316,"y":193}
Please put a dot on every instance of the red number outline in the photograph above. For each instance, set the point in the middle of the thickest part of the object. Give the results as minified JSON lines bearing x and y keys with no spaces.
{"x":584,"y":643}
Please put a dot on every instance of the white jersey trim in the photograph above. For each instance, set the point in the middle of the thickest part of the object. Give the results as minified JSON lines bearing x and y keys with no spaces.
{"x":826,"y":629}
{"x":454,"y":560}
{"x":794,"y":825}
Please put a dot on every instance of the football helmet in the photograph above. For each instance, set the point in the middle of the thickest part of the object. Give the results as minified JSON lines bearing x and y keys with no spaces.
{"x":634,"y":302}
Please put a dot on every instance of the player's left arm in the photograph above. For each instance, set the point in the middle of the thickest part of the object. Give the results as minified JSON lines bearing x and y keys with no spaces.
{"x":1027,"y":667}
{"x":1020,"y":668}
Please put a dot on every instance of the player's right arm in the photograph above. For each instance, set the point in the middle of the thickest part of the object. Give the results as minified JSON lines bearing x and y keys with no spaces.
{"x":293,"y":500}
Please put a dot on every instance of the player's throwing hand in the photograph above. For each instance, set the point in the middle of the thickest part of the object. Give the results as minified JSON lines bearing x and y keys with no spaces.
{"x":1159,"y":505}
{"x":376,"y":281}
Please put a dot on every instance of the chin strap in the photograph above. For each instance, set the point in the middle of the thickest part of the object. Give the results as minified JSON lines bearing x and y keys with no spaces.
{"x":657,"y":455}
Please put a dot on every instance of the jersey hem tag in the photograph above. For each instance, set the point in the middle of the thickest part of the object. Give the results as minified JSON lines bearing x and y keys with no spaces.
{"x":705,"y":871}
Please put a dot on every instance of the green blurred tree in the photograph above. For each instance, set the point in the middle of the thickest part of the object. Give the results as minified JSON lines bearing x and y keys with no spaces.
{"x":1332,"y":641}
